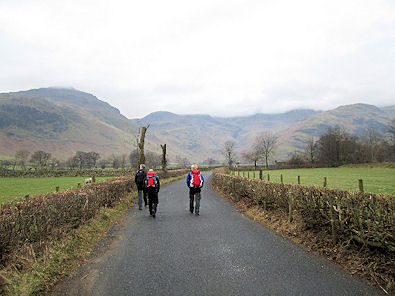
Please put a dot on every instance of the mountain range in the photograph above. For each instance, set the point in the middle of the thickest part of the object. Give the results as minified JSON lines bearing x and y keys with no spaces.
{"x":63,"y":121}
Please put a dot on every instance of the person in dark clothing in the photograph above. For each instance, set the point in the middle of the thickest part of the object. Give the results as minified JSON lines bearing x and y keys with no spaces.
{"x":195,"y":182}
{"x":139,"y":179}
{"x":152,"y":185}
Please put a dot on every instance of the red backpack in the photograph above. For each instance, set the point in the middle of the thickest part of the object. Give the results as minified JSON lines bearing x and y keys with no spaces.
{"x":151,"y":181}
{"x":196,"y":179}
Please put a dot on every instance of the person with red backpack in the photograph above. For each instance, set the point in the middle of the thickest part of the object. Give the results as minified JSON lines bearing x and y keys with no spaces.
{"x":152,"y":186}
{"x":195,"y":183}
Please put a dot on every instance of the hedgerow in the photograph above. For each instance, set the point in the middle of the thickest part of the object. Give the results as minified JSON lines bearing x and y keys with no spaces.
{"x":52,"y":216}
{"x":363,"y":217}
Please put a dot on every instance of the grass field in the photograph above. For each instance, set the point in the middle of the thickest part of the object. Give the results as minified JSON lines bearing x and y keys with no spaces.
{"x":16,"y":188}
{"x":375,"y":180}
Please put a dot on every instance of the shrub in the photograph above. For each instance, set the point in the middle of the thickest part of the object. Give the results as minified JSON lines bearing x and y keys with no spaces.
{"x":53,"y":215}
{"x":364,"y":217}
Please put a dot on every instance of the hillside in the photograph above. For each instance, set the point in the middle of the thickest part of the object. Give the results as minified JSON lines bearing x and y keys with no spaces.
{"x":202,"y":136}
{"x":61,"y":121}
{"x":355,"y":119}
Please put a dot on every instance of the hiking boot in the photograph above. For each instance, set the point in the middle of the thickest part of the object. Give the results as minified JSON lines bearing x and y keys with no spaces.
{"x":197,"y":214}
{"x":140,"y":209}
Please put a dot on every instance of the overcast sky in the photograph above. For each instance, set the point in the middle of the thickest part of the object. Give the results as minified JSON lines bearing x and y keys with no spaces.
{"x":223,"y":57}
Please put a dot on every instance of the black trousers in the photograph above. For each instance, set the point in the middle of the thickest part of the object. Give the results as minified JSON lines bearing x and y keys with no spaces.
{"x":152,"y":201}
{"x":192,"y":192}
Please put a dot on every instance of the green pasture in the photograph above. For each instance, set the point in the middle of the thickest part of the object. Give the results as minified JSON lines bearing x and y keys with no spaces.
{"x":375,"y":179}
{"x":16,"y":188}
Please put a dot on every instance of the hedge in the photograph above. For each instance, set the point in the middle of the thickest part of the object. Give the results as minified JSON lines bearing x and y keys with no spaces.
{"x":53,"y":215}
{"x":364,"y":217}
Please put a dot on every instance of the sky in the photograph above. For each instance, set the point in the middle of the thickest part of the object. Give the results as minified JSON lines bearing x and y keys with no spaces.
{"x":217,"y":57}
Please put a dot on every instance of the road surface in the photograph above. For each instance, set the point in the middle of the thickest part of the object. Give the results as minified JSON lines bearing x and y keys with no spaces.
{"x":220,"y":252}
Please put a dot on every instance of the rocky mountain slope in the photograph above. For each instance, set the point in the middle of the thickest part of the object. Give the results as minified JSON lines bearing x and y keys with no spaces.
{"x":202,"y":136}
{"x":62,"y":121}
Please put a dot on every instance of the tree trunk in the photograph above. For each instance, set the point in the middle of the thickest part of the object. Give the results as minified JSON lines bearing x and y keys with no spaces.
{"x":164,"y":161}
{"x":141,"y":145}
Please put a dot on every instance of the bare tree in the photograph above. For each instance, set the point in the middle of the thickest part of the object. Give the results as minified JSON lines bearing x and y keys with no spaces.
{"x":21,"y":157}
{"x":164,"y":161}
{"x":115,"y":161}
{"x":228,"y":152}
{"x":41,"y":158}
{"x":266,"y":144}
{"x":183,"y":161}
{"x":311,"y":150}
{"x":252,"y":156}
{"x":337,"y":147}
{"x":102,"y":163}
{"x":153,"y":160}
{"x":141,"y":144}
{"x":92,"y":158}
{"x":122,"y":159}
{"x":134,"y":158}
{"x":372,"y":138}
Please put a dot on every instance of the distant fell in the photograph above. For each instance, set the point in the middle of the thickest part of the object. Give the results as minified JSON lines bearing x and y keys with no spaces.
{"x":61,"y":121}
{"x":354,"y":119}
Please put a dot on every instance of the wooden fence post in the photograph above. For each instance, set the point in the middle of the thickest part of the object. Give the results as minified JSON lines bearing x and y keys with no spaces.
{"x":268,"y":177}
{"x":57,"y":189}
{"x":260,"y":175}
{"x":281,"y":178}
{"x":254,"y":174}
{"x":299,"y":180}
{"x":324,"y":181}
{"x":248,"y":174}
{"x":360,"y":183}
{"x":93,"y":179}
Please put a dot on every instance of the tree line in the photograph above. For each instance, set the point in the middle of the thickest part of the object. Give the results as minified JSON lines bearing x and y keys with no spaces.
{"x":334,"y":147}
{"x":86,"y":160}
{"x":80,"y":160}
{"x":338,"y":147}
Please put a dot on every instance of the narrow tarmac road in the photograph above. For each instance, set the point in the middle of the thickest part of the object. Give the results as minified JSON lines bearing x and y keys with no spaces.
{"x":220,"y":252}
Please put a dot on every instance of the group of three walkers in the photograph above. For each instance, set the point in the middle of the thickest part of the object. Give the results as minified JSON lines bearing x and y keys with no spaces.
{"x":148,"y":186}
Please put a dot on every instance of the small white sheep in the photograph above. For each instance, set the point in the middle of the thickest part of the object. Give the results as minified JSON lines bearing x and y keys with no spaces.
{"x":88,"y":180}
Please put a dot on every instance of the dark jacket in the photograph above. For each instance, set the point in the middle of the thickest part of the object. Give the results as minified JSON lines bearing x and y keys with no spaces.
{"x":139,"y":179}
{"x":152,"y":189}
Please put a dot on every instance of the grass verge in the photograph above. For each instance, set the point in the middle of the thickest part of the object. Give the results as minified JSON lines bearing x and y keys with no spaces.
{"x":371,"y":265}
{"x":29,"y":273}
